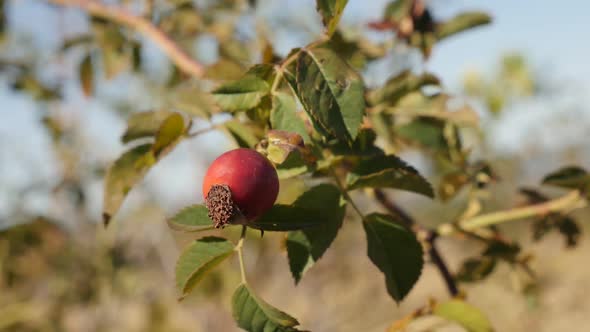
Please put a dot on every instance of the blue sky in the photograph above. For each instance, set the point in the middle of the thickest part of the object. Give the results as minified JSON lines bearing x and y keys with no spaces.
{"x":552,"y":34}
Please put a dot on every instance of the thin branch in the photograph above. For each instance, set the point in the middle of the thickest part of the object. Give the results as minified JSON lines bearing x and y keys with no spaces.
{"x":570,"y":201}
{"x":431,"y":237}
{"x":121,"y":16}
{"x":203,"y":131}
{"x":393,"y":208}
{"x":438,"y":261}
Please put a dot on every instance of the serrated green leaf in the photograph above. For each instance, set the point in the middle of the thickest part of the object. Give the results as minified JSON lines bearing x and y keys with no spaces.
{"x":331,"y":92}
{"x":476,"y":269}
{"x":461,"y":23}
{"x":87,"y":76}
{"x":242,"y":134}
{"x":331,"y":11}
{"x":241,"y":95}
{"x":169,"y":133}
{"x":255,"y":315}
{"x":304,"y":213}
{"x":192,"y":218}
{"x":123,"y":175}
{"x":395,"y":251}
{"x":466,"y":315}
{"x":199,"y":258}
{"x":388,"y":171}
{"x":400,"y":85}
{"x":573,"y":177}
{"x":305,"y":247}
{"x":284,"y":115}
{"x":144,"y":124}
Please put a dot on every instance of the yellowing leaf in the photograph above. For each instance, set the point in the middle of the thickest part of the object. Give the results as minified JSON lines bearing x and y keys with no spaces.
{"x":464,"y":314}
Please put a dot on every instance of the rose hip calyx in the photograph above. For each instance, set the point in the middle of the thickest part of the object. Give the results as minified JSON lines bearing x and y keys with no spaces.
{"x":222,"y":209}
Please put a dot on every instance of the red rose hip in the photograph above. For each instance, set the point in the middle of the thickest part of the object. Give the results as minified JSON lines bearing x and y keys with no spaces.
{"x":239,"y":186}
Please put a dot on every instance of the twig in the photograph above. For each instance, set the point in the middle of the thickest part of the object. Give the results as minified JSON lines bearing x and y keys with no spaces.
{"x":438,"y":261}
{"x":203,"y":131}
{"x":393,"y":208}
{"x":119,"y":15}
{"x":569,"y":201}
{"x":431,"y":237}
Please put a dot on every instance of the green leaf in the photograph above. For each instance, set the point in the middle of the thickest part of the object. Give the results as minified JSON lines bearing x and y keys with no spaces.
{"x":131,"y":167}
{"x":502,"y":250}
{"x":466,"y":315}
{"x":169,"y":133}
{"x":363,"y":145}
{"x":284,"y":115}
{"x":461,"y":23}
{"x":303,"y":213}
{"x":123,"y":175}
{"x":87,"y":76}
{"x":136,"y":58}
{"x":395,"y":251}
{"x":476,"y":269}
{"x":305,"y":247}
{"x":388,"y":171}
{"x":192,"y":218}
{"x":241,"y":95}
{"x":144,"y":124}
{"x":566,"y":226}
{"x":199,"y":258}
{"x":242,"y":134}
{"x":331,"y":11}
{"x":400,"y":85}
{"x":77,"y":40}
{"x":398,"y":9}
{"x":192,"y":101}
{"x":255,"y":315}
{"x":425,"y":131}
{"x":224,"y":69}
{"x":113,"y":46}
{"x":331,"y":92}
{"x":282,"y":218}
{"x":573,"y":177}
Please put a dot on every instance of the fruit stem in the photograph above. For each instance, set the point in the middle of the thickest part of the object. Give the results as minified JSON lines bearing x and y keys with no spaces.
{"x":240,"y":255}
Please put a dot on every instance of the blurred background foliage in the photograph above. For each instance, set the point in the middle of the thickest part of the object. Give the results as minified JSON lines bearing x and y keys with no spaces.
{"x":70,"y":82}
